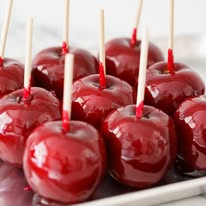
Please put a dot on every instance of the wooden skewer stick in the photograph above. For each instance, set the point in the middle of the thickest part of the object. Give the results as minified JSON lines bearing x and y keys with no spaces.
{"x":171,"y":26}
{"x":28,"y":60}
{"x":102,"y":40}
{"x":142,"y":74}
{"x":135,"y":33}
{"x":171,"y":39}
{"x":102,"y":64}
{"x":65,"y":45}
{"x":5,"y":30}
{"x":67,"y":97}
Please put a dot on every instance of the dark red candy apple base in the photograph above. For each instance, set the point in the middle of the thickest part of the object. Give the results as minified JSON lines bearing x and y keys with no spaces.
{"x":122,"y":58}
{"x":191,"y":130}
{"x":18,"y":118}
{"x":91,"y":103}
{"x":65,"y":166}
{"x":48,"y":67}
{"x":140,"y":150}
{"x":11,"y":76}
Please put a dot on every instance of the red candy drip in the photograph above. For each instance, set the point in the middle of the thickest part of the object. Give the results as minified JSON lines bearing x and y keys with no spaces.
{"x":27,"y":93}
{"x":170,"y":61}
{"x":102,"y":77}
{"x":65,"y":120}
{"x":133,"y":40}
{"x":65,"y":48}
{"x":139,"y":110}
{"x":27,"y":189}
{"x":1,"y":61}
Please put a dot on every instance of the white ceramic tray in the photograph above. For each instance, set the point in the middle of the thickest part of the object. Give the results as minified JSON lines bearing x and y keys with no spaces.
{"x":191,"y":51}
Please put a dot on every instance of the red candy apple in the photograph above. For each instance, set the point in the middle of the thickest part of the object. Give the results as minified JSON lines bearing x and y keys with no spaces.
{"x":94,"y":96}
{"x":170,"y":83}
{"x":123,"y":54}
{"x":70,"y":171}
{"x":18,"y":118}
{"x":48,"y":67}
{"x":140,"y":150}
{"x":166,"y":91}
{"x":191,"y":129}
{"x":11,"y":71}
{"x":64,"y":166}
{"x":91,"y":103}
{"x":11,"y":76}
{"x":123,"y":57}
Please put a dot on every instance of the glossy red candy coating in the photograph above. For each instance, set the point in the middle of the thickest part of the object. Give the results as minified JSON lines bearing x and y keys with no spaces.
{"x":18,"y":119}
{"x":166,"y":91}
{"x":122,"y":58}
{"x":48,"y":67}
{"x":142,"y":150}
{"x":65,"y":166}
{"x":191,"y":131}
{"x":91,"y":103}
{"x":11,"y":76}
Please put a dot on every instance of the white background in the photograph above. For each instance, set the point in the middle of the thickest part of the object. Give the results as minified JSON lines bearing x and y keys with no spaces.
{"x":119,"y":20}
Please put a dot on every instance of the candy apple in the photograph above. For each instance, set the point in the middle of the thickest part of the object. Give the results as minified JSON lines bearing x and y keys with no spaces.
{"x":48,"y":67}
{"x":191,"y":129}
{"x":11,"y":76}
{"x":166,"y":91}
{"x":18,"y":118}
{"x":91,"y":103}
{"x":64,"y":166}
{"x":122,"y":58}
{"x":11,"y":71}
{"x":140,"y":150}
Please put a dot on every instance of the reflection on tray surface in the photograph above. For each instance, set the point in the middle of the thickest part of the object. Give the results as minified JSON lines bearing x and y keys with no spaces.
{"x":12,"y":184}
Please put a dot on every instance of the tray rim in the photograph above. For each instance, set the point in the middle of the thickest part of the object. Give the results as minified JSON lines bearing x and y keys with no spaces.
{"x":154,"y":196}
